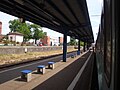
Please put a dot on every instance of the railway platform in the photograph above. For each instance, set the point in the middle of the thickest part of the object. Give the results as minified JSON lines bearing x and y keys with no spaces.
{"x":74,"y":74}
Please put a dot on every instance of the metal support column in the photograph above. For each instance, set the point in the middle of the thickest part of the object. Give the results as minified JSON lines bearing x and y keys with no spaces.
{"x":84,"y":47}
{"x":78,"y":52}
{"x":87,"y":45}
{"x":65,"y":47}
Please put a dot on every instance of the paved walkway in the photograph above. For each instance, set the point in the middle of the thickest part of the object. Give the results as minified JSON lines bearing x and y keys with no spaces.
{"x":60,"y":78}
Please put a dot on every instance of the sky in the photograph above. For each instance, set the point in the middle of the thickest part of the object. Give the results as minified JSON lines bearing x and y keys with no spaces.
{"x":94,"y":8}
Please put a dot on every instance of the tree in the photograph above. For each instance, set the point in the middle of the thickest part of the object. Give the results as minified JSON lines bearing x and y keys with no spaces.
{"x":72,"y":41}
{"x":14,"y":25}
{"x":28,"y":30}
{"x":81,"y":43}
{"x":37,"y":32}
{"x":24,"y":28}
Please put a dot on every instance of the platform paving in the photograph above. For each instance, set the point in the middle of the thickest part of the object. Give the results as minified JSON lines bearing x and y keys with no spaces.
{"x":58,"y":79}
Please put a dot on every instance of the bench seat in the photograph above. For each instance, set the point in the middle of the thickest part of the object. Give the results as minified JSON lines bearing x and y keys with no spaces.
{"x":26,"y":74}
{"x":51,"y":65}
{"x":41,"y":69}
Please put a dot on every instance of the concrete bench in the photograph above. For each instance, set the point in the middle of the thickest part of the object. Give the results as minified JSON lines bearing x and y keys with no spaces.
{"x":72,"y":56}
{"x":75,"y":54}
{"x":51,"y":65}
{"x":41,"y":69}
{"x":26,"y":74}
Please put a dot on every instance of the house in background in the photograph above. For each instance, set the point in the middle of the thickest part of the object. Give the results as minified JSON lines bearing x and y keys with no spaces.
{"x":1,"y":35}
{"x":15,"y":36}
{"x":61,"y":40}
{"x":52,"y":41}
{"x":46,"y":41}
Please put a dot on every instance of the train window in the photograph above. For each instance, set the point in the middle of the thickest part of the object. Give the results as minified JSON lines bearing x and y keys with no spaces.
{"x":107,"y":62}
{"x":108,"y":47}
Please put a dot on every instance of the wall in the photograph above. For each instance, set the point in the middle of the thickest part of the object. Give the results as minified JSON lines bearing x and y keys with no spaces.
{"x":16,"y":38}
{"x":54,"y":41}
{"x":13,"y":37}
{"x":21,"y":49}
{"x":19,"y":38}
{"x":46,"y":40}
{"x":61,"y":40}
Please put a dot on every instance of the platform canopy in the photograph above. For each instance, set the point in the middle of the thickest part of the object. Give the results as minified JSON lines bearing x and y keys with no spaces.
{"x":63,"y":16}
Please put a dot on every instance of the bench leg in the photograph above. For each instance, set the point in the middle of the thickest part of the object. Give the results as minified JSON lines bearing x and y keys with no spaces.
{"x":49,"y":66}
{"x":43,"y":70}
{"x":53,"y":66}
{"x":23,"y":76}
{"x":38,"y":70}
{"x":29,"y":77}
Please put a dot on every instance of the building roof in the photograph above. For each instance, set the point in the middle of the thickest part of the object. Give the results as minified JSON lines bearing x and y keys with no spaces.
{"x":15,"y":33}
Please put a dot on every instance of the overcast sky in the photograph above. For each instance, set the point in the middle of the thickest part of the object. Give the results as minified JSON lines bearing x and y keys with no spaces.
{"x":94,"y":7}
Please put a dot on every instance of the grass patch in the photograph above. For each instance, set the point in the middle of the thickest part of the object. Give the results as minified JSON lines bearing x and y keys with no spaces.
{"x":13,"y":58}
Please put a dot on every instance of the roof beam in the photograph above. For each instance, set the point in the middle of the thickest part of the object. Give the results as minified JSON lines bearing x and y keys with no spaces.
{"x":24,"y":9}
{"x":69,"y":7}
{"x":81,"y":7}
{"x":45,"y":11}
{"x":58,"y":10}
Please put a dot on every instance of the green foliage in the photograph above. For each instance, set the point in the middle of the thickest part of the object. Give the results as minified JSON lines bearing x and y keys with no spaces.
{"x":6,"y":42}
{"x":72,"y":41}
{"x":17,"y":26}
{"x":28,"y":30}
{"x":37,"y":32}
{"x":81,"y":43}
{"x":14,"y":25}
{"x":25,"y":30}
{"x":13,"y":42}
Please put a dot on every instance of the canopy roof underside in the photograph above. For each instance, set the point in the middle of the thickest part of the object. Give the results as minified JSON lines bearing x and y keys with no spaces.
{"x":64,"y":16}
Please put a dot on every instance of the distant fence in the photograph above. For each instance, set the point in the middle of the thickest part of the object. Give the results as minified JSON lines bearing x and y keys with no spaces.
{"x":23,"y":49}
